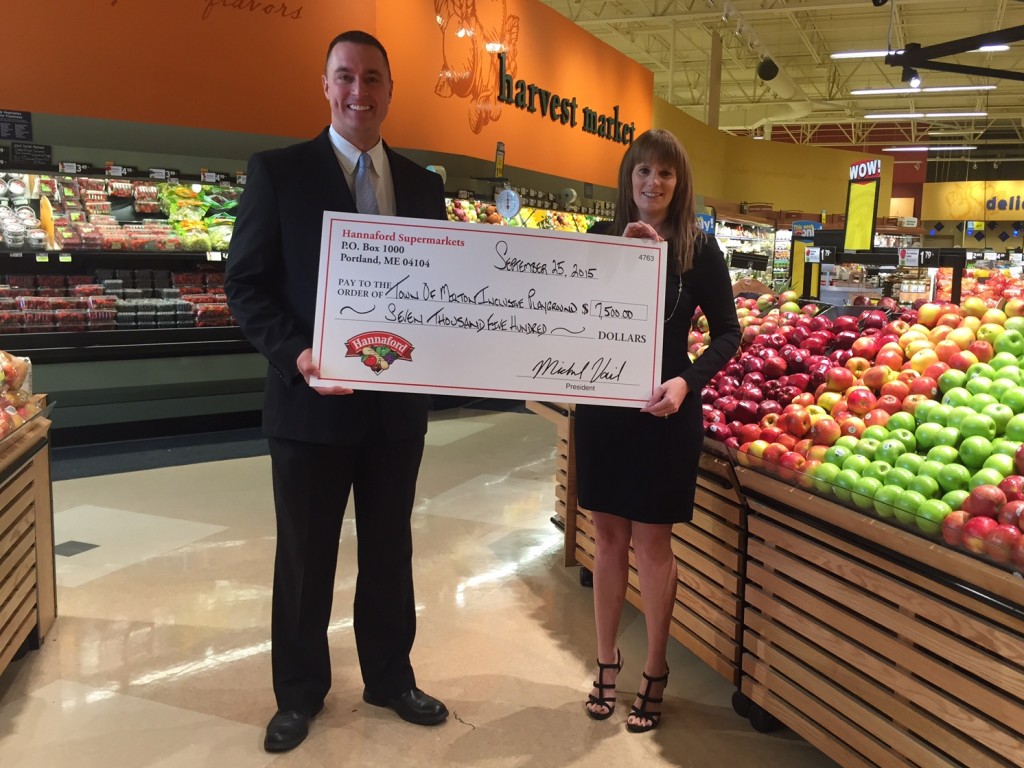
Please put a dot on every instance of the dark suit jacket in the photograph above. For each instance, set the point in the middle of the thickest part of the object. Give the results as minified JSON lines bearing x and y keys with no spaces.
{"x":271,"y":280}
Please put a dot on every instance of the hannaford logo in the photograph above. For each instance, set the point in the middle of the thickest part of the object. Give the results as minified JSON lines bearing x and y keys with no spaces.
{"x":378,"y":349}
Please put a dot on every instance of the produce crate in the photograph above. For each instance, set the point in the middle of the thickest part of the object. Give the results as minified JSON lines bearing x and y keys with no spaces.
{"x":709,"y":555}
{"x":879,"y":647}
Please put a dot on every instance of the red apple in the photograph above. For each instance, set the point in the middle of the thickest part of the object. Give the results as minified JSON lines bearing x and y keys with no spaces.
{"x":878,"y":416}
{"x":953,"y":527}
{"x":852,"y":425}
{"x":796,"y":422}
{"x":825,"y":431}
{"x":860,"y":400}
{"x":910,"y":402}
{"x":925,"y":385}
{"x":1013,"y":487}
{"x":985,"y":501}
{"x":748,"y":433}
{"x":935,"y":370}
{"x":896,"y":388}
{"x":982,"y":350}
{"x":873,"y":318}
{"x":791,"y":462}
{"x":804,"y":398}
{"x":890,"y":404}
{"x":1000,"y":541}
{"x":1010,"y":514}
{"x":838,"y":379}
{"x":962,"y":360}
{"x":976,"y":530}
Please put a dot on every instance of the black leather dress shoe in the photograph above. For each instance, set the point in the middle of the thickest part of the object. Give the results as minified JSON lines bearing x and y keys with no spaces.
{"x":286,"y":730}
{"x":413,"y":706}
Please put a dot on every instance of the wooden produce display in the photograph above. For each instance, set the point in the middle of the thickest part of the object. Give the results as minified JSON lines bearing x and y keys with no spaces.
{"x":28,"y":602}
{"x":879,"y":647}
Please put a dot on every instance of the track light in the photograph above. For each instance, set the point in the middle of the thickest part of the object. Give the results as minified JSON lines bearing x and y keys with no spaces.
{"x":911,"y":78}
{"x":879,"y":3}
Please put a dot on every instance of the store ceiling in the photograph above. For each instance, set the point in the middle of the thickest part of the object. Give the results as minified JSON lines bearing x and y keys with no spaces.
{"x":810,"y":100}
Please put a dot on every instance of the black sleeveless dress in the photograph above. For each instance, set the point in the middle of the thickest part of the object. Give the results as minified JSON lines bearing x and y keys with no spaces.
{"x":642,"y":467}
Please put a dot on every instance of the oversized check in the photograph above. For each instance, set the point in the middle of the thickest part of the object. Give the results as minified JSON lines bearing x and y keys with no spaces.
{"x":411,"y":305}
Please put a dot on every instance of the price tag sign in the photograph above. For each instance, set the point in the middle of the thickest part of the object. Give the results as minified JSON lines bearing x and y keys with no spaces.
{"x":68,"y":167}
{"x":1016,"y":258}
{"x":15,"y":255}
{"x":158,"y":173}
{"x":240,"y":179}
{"x":41,"y":258}
{"x":120,"y":170}
{"x":812,"y":255}
{"x":215,"y":256}
{"x":64,"y":258}
{"x":211,"y":177}
{"x":910,"y":257}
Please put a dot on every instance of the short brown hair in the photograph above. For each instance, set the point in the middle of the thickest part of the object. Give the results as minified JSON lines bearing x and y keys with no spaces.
{"x":360,"y":38}
{"x":660,"y":146}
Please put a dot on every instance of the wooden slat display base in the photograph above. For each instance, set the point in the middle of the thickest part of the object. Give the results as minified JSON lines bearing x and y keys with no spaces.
{"x":560,"y":414}
{"x":28,"y":604}
{"x":706,"y":616}
{"x":879,"y":647}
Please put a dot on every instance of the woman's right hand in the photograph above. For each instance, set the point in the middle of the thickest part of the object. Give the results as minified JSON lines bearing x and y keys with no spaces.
{"x":308,"y":368}
{"x":641,"y":230}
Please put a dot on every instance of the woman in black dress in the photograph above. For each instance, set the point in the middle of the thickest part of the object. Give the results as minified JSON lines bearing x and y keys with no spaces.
{"x":637,"y":470}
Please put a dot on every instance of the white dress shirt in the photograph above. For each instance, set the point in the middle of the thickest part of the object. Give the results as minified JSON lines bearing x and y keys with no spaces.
{"x":348,"y":155}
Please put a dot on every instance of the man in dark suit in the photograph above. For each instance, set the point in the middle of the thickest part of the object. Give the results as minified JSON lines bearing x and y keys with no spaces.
{"x":325,"y":442}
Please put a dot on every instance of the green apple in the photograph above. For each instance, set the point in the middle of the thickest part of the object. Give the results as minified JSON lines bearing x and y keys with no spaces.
{"x":890,"y":450}
{"x":864,"y":491}
{"x":899,"y":476}
{"x":884,"y":498}
{"x":944,"y":454}
{"x":930,"y":469}
{"x":930,"y":515}
{"x":990,"y":332}
{"x":987,"y":476}
{"x":927,"y":435}
{"x":901,"y":420}
{"x":877,"y":469}
{"x":824,"y":476}
{"x":1012,"y":372}
{"x":844,"y":484}
{"x":866,"y":446}
{"x":1015,"y":426}
{"x":1000,"y":387}
{"x":956,"y":499}
{"x":874,"y":432}
{"x":1001,"y":463}
{"x":1008,"y":447}
{"x":1003,"y":359}
{"x":846,"y":441}
{"x":957,"y":415}
{"x":856,"y":462}
{"x":979,"y":401}
{"x":974,"y":450}
{"x":1000,"y":414}
{"x":905,"y":436}
{"x":909,"y":461}
{"x":980,"y":369}
{"x":922,"y":412}
{"x":1015,"y":399}
{"x":956,"y":396}
{"x":1015,"y":323}
{"x":926,"y":486}
{"x":949,"y":436}
{"x":906,"y":505}
{"x":1010,"y":342}
{"x":979,"y":385}
{"x":939,"y":414}
{"x":951,"y":379}
{"x":837,"y":454}
{"x":979,"y":424}
{"x":954,"y":477}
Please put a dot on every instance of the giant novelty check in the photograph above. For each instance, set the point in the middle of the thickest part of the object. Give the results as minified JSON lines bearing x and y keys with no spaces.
{"x":410,"y":305}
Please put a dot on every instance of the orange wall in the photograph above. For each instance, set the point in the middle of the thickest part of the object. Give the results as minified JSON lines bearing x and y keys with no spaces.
{"x":202,"y":63}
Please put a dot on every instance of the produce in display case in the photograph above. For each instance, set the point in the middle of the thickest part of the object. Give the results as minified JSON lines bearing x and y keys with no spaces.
{"x":17,"y":406}
{"x":748,"y":247}
{"x":915,"y":417}
{"x":993,"y":285}
{"x":531,"y":218}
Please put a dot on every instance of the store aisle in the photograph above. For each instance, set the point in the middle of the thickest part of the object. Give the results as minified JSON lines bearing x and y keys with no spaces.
{"x":160,"y":655}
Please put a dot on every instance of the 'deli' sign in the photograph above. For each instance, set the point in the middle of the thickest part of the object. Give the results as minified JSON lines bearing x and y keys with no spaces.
{"x":862,"y":204}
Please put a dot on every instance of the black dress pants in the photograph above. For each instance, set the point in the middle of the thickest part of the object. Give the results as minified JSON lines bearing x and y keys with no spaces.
{"x":311,"y":488}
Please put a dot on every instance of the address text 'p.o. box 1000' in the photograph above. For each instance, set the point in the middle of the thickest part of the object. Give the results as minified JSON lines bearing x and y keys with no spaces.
{"x":413,"y":305}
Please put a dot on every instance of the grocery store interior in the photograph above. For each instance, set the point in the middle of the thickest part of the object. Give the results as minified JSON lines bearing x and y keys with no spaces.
{"x":849,"y":589}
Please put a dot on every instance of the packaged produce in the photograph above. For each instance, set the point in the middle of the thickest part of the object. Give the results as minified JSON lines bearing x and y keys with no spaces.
{"x":51,"y":281}
{"x":92,"y":184}
{"x":120,"y":188}
{"x":145,"y":191}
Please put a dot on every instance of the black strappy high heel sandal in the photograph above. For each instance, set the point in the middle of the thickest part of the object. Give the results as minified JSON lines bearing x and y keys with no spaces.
{"x":601,"y":700}
{"x":641,"y":713}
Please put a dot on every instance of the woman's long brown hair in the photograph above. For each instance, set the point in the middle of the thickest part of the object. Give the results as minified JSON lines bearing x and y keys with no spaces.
{"x":660,"y":146}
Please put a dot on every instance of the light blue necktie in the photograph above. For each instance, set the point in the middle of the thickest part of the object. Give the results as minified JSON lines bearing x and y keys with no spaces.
{"x":366,"y":198}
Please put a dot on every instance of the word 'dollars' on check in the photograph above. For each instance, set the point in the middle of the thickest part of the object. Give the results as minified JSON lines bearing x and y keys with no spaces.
{"x":409,"y":305}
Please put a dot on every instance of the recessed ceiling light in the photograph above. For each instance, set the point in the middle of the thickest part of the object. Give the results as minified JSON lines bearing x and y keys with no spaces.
{"x":925,"y":149}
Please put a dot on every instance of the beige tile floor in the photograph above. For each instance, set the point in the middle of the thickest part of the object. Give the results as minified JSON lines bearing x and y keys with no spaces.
{"x":160,"y":656}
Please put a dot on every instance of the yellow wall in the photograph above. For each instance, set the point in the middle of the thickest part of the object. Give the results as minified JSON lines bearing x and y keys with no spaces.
{"x":970,"y":200}
{"x":792,"y":177}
